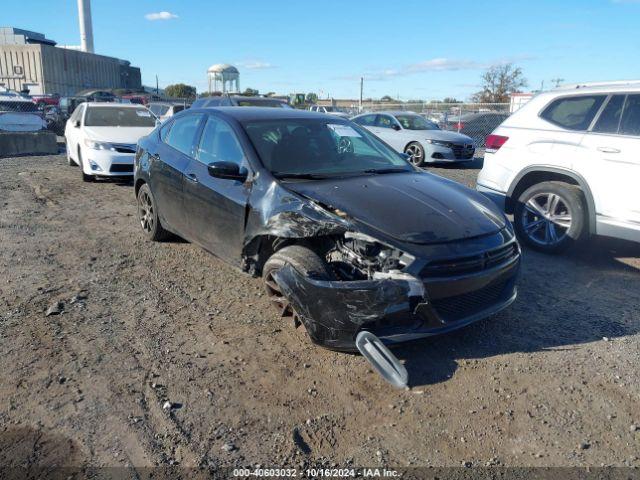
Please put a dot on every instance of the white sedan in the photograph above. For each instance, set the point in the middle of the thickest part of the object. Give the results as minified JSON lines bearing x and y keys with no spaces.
{"x":102,"y":137}
{"x":419,"y":138}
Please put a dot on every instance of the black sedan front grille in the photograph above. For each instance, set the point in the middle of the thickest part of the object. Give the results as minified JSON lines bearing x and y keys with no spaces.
{"x":458,"y":307}
{"x":471,"y":264}
{"x":121,"y":168}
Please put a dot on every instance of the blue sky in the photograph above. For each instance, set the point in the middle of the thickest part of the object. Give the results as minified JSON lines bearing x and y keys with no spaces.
{"x":406,"y":48}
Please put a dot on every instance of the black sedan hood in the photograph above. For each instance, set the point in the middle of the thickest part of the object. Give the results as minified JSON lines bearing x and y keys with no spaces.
{"x":409,"y":207}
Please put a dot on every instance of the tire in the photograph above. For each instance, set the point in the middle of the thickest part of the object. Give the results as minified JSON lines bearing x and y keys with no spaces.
{"x":148,"y":216}
{"x":551,"y":216}
{"x":416,"y":153}
{"x":85,"y":177}
{"x":70,"y":161}
{"x":305,"y":261}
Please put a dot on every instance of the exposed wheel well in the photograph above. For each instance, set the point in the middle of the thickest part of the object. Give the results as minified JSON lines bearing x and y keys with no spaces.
{"x":413,"y":141}
{"x":263,"y":247}
{"x":537,"y":176}
{"x":139,"y":183}
{"x":531,"y":179}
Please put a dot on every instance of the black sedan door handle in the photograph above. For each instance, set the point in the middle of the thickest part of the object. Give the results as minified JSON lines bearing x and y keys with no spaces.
{"x":191,"y":177}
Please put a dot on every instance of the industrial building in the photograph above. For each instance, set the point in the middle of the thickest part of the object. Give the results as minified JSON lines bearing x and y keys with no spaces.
{"x":30,"y":61}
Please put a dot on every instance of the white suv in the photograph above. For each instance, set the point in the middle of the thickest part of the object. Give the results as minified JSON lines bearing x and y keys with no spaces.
{"x":567,"y":165}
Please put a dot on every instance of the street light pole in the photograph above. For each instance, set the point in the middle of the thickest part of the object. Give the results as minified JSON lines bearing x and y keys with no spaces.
{"x":361,"y":89}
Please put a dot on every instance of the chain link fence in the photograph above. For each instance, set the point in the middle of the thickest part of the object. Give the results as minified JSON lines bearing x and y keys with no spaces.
{"x":476,"y":120}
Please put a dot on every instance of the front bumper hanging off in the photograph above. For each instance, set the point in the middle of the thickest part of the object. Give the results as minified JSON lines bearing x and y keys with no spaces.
{"x":396,"y":307}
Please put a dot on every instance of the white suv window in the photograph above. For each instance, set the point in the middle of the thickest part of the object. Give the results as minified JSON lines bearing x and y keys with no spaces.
{"x":609,"y":119}
{"x":573,"y":113}
{"x":630,"y":122}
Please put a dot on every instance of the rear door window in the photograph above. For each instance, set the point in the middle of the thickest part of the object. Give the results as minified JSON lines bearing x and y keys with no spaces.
{"x":630,"y":122}
{"x":573,"y":113}
{"x":182,"y":134}
{"x":609,"y":119}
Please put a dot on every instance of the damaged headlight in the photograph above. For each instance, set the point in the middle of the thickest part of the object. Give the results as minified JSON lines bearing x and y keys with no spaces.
{"x":358,"y":256}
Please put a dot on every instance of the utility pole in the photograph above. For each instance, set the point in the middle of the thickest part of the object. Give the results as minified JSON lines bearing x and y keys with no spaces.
{"x":557,"y":81}
{"x":157,"y":86}
{"x":361,"y":89}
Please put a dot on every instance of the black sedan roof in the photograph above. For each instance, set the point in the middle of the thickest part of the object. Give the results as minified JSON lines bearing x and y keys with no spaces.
{"x":243,"y":114}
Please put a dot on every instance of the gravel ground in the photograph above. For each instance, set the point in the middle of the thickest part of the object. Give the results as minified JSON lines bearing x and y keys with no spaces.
{"x":162,"y":354}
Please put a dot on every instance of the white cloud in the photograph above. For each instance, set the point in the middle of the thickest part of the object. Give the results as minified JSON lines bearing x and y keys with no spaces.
{"x":160,"y":16}
{"x":434,"y":65}
{"x":442,"y":65}
{"x":255,"y":65}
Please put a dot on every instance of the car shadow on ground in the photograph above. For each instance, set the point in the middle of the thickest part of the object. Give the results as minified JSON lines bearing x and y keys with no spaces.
{"x":475,"y":164}
{"x":563,"y":301}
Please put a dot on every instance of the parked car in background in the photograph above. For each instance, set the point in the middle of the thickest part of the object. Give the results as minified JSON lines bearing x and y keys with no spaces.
{"x":101,"y":138}
{"x":567,"y":165}
{"x":475,"y":125}
{"x":97,"y":95}
{"x":17,"y":103}
{"x":69,"y":104}
{"x":239,"y":101}
{"x":42,"y":100}
{"x":419,"y":138}
{"x":311,"y":203}
{"x":338,"y":112}
{"x":54,"y":119}
{"x":164,"y":110}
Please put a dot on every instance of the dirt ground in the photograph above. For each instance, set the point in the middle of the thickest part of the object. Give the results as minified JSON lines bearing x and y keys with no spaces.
{"x":552,"y":381}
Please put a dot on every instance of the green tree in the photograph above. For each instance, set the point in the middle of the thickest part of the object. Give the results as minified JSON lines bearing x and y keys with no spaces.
{"x":250,"y":92}
{"x":387,"y":98}
{"x":312,"y":97}
{"x":180,"y":90}
{"x":498,"y":82}
{"x":451,"y":100}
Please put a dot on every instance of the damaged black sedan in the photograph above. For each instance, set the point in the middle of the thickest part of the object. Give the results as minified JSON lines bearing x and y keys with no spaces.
{"x":346,"y":234}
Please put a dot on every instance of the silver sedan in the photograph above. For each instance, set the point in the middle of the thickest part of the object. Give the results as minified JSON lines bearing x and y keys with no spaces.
{"x":419,"y":138}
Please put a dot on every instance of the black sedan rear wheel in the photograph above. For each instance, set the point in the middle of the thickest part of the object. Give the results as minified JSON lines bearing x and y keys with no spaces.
{"x":148,"y":216}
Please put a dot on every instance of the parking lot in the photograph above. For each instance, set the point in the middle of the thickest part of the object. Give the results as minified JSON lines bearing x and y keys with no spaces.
{"x":162,"y":354}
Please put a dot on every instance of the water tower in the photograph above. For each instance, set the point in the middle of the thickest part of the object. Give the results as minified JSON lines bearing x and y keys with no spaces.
{"x":223,"y":78}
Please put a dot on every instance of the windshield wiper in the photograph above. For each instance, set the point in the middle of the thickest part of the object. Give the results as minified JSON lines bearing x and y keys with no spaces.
{"x":304,"y":176}
{"x":386,"y":170}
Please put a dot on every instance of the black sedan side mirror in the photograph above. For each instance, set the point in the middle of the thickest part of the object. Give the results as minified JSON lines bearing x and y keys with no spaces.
{"x":76,"y":124}
{"x":227,"y":170}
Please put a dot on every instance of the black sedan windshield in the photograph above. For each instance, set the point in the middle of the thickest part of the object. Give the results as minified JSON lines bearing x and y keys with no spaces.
{"x":415,"y":122}
{"x":319,"y":148}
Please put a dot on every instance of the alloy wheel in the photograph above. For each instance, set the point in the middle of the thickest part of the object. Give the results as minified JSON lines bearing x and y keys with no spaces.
{"x":415,"y":154}
{"x":546,"y":219}
{"x":145,"y":212}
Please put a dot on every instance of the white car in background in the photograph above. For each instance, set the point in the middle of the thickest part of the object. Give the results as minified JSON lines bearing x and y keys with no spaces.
{"x":419,"y":138}
{"x":329,"y":111}
{"x":102,"y":137}
{"x":165,"y":110}
{"x":567,"y":165}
